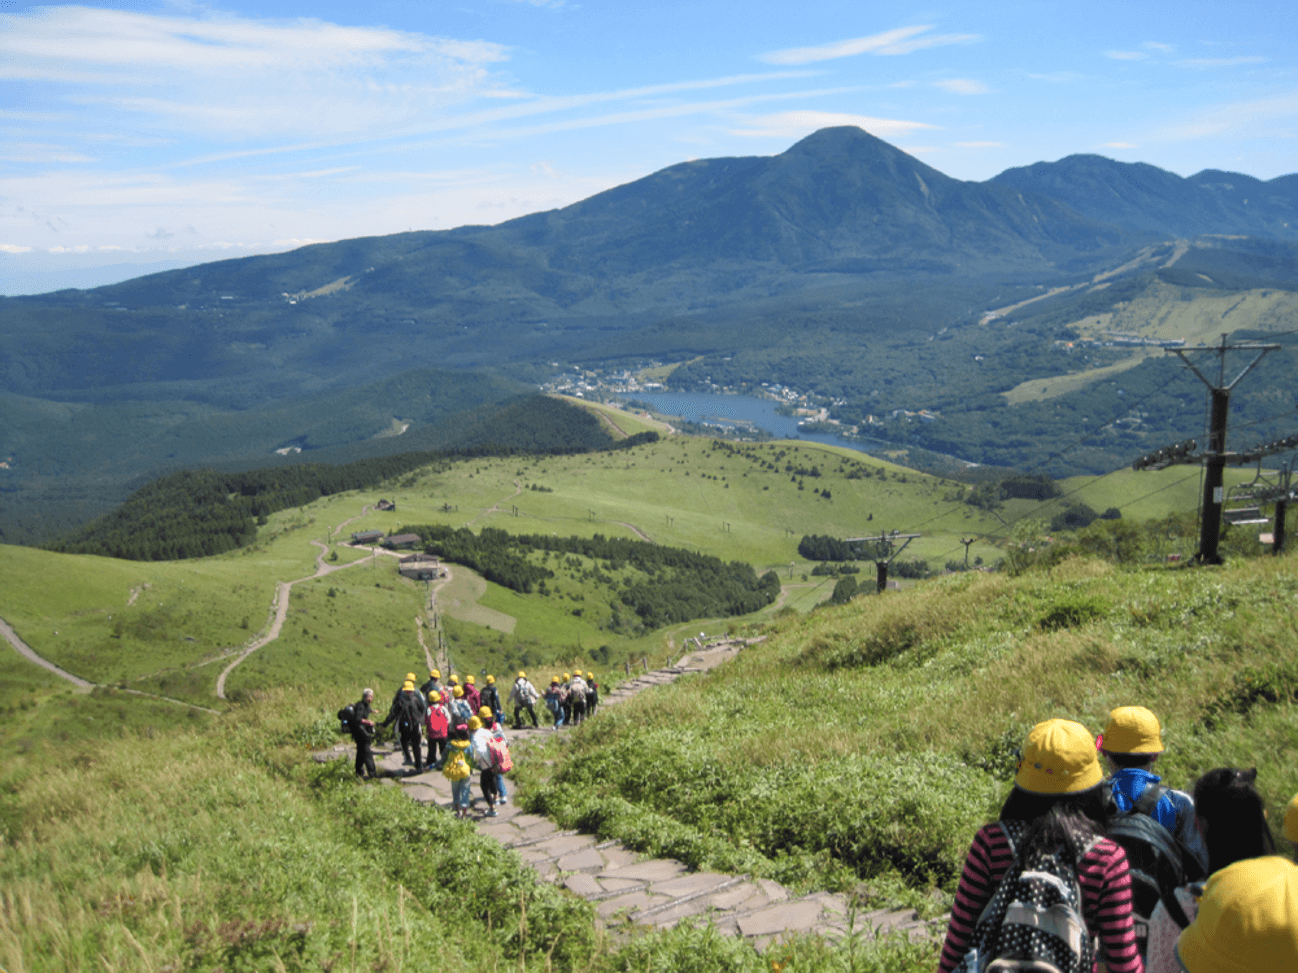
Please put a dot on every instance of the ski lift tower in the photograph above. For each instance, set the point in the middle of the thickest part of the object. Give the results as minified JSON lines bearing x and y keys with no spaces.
{"x":885,"y":550}
{"x":1215,"y":458}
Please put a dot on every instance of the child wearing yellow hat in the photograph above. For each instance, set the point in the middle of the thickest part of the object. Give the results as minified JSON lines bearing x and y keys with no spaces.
{"x":1232,"y":816}
{"x":1056,"y":802}
{"x":1132,"y":743}
{"x":1247,"y":921}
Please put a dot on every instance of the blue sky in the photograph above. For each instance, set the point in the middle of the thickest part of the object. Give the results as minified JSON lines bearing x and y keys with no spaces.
{"x":140,"y":133}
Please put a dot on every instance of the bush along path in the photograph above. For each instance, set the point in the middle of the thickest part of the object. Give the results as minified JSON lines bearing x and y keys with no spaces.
{"x":628,"y":892}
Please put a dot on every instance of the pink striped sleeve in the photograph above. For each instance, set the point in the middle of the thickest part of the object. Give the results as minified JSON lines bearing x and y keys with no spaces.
{"x":1106,"y":894}
{"x":984,"y":867}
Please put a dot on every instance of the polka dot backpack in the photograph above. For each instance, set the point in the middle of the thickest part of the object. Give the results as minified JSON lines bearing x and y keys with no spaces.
{"x":1034,"y":920}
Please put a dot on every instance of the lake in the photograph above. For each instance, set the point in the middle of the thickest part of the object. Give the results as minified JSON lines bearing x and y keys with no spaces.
{"x":733,"y":411}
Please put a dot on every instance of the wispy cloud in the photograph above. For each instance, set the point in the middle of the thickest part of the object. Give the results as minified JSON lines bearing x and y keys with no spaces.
{"x":962,"y":86}
{"x":1119,"y":145}
{"x":13,"y":248}
{"x":1057,"y":77}
{"x":1249,"y":119}
{"x":1157,"y":46}
{"x":1126,"y":55}
{"x":795,"y":124}
{"x":902,"y":40}
{"x":1219,"y":62}
{"x":228,"y":76}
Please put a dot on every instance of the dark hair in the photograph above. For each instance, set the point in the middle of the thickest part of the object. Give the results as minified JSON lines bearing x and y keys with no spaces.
{"x":1128,"y":760}
{"x":1054,"y":819}
{"x":1227,"y":801}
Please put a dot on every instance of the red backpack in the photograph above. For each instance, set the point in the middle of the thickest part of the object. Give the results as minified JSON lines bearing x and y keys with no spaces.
{"x":501,"y":762}
{"x":437,"y":723}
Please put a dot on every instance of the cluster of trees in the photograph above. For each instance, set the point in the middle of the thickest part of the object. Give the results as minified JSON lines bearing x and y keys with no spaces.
{"x":670,"y":584}
{"x":206,"y":512}
{"x":493,"y":553}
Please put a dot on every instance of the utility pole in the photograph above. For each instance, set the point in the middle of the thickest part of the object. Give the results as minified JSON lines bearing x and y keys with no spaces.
{"x":1215,"y":458}
{"x":884,"y":552}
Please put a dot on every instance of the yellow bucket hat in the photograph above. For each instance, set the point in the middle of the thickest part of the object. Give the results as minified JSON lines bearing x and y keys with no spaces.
{"x":1247,"y":921}
{"x":1291,"y":820}
{"x":491,"y":680}
{"x":458,"y":692}
{"x":469,"y":680}
{"x":1058,"y":758}
{"x":408,"y":684}
{"x":1132,"y":729}
{"x":486,"y":713}
{"x":474,"y":723}
{"x":411,"y":676}
{"x":435,"y":673}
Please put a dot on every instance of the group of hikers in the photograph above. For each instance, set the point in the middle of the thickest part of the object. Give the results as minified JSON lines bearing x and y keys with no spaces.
{"x":463,"y":727}
{"x":1082,"y":872}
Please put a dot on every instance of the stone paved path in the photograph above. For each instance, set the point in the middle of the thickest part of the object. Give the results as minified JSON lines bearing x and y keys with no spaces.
{"x":627,"y":891}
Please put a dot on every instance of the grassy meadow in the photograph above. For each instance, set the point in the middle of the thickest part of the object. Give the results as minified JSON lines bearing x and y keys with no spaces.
{"x":854,"y":747}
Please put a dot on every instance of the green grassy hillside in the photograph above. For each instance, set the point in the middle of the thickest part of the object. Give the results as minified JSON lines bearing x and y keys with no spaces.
{"x":862,"y":746}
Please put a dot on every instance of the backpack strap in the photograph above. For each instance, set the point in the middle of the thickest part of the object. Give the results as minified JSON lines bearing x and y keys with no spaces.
{"x":1149,"y":798}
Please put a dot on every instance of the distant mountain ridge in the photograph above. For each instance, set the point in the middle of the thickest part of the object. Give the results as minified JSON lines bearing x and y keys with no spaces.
{"x":1144,"y":198}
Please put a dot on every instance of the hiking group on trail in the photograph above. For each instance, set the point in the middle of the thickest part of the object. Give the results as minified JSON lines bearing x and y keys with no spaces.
{"x":1082,"y":873}
{"x":463,"y":727}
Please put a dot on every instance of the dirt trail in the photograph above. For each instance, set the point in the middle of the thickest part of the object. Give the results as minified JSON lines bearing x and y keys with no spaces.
{"x":82,"y":685}
{"x":27,"y":652}
{"x":632,"y":893}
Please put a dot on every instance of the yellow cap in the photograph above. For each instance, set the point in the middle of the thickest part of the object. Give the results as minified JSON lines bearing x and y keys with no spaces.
{"x":567,"y":676}
{"x":457,"y":691}
{"x":454,"y":679}
{"x":1058,"y":758}
{"x":491,"y":680}
{"x":522,"y":674}
{"x":408,"y":684}
{"x":411,"y":676}
{"x":1132,"y":729}
{"x":1291,"y":820}
{"x":1247,"y":921}
{"x":469,"y":680}
{"x":474,"y":723}
{"x":435,"y":673}
{"x":486,"y":713}
{"x":590,"y":675}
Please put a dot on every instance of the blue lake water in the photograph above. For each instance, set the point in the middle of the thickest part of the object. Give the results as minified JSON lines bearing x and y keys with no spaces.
{"x":740,"y":410}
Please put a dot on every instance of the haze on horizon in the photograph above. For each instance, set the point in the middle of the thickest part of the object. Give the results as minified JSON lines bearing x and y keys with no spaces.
{"x":144,"y":135}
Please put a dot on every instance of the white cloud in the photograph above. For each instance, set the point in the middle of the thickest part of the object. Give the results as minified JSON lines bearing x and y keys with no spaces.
{"x":1126,"y":55}
{"x":1219,"y":62}
{"x":1119,"y":145}
{"x":902,"y":40}
{"x":795,"y":124}
{"x":962,"y":86}
{"x":13,"y":248}
{"x":1248,"y":119}
{"x":1156,"y":46}
{"x":237,"y":77}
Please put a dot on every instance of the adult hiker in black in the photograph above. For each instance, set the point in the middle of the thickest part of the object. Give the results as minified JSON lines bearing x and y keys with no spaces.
{"x":396,"y":698}
{"x":363,"y":734}
{"x":409,"y":711}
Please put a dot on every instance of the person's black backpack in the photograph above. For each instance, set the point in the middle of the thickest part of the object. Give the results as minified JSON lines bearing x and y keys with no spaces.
{"x":346,"y":718}
{"x":1154,"y":858}
{"x":409,"y":711}
{"x":1033,"y":921}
